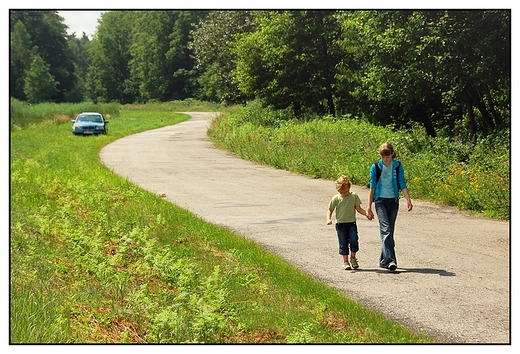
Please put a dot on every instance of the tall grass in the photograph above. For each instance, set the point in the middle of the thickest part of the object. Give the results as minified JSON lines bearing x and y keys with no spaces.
{"x":473,"y":177}
{"x":23,"y":114}
{"x":96,"y":259}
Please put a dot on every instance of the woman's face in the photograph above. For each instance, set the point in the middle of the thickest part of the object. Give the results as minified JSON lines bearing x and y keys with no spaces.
{"x":386,"y":160}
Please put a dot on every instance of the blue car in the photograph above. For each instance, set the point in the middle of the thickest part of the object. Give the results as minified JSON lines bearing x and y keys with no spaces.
{"x":89,"y":123}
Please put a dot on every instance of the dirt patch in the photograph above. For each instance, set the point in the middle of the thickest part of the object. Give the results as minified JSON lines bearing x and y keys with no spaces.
{"x":62,"y":118}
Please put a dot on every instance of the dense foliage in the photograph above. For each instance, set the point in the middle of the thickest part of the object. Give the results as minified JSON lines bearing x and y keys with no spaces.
{"x":447,"y":70}
{"x":39,"y":34}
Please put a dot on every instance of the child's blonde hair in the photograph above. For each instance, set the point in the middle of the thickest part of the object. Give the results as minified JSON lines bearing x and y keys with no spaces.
{"x":342,"y":183}
{"x":387,"y":149}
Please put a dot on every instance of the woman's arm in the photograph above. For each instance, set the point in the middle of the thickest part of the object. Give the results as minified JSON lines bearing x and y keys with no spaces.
{"x":408,"y":200}
{"x":370,"y":214}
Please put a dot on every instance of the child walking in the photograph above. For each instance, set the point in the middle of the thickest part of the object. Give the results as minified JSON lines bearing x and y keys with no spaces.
{"x":345,"y":204}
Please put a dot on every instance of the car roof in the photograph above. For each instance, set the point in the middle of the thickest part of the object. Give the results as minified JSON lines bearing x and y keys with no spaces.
{"x":90,"y":113}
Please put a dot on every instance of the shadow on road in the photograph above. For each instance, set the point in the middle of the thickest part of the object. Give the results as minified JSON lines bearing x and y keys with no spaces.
{"x":440,"y":272}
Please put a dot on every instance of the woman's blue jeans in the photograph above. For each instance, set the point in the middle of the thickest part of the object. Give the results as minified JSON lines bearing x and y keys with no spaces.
{"x":386,"y":210}
{"x":347,"y":236}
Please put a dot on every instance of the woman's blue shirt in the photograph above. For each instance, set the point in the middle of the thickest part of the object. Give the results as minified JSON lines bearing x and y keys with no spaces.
{"x":395,"y":178}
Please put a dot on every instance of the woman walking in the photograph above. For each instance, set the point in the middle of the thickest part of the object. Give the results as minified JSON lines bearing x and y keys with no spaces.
{"x":386,"y":180}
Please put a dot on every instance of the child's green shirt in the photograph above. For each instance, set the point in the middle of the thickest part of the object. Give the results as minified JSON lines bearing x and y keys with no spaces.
{"x":345,"y":207}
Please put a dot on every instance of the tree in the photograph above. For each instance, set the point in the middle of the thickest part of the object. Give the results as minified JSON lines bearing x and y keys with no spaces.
{"x":479,"y":64}
{"x":148,"y":64}
{"x":391,"y":85}
{"x":20,"y":60}
{"x":423,"y":66}
{"x":79,"y":48}
{"x":47,"y":32}
{"x":185,"y":76}
{"x":162,"y":63}
{"x":211,"y":43}
{"x":289,"y":60}
{"x":109,"y":76}
{"x":40,"y":85}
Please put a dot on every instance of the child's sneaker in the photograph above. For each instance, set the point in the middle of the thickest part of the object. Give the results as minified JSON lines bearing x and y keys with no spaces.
{"x":354,"y":263}
{"x":346,"y":266}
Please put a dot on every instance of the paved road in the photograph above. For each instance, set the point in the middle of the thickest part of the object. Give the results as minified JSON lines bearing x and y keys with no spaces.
{"x":454,"y":277}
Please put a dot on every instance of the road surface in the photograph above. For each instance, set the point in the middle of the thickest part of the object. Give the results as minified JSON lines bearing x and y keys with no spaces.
{"x":453,"y":279}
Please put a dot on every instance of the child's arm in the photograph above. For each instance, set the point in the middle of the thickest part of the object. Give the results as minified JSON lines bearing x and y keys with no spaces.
{"x":329,"y":216}
{"x":362,"y":211}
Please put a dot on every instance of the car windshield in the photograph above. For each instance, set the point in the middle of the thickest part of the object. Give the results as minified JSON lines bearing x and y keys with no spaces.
{"x":89,"y":118}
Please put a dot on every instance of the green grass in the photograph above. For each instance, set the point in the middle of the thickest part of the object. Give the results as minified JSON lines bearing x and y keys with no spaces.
{"x":471,"y":176}
{"x":96,"y":259}
{"x":24,"y":115}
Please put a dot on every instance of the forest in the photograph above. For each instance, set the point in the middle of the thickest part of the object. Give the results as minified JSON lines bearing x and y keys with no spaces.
{"x":448,"y":71}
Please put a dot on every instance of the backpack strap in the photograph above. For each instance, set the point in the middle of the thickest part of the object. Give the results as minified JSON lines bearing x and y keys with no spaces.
{"x":397,"y":175}
{"x":378,"y":173}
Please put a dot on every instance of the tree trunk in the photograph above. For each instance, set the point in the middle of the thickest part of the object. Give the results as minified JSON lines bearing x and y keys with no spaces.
{"x":491,"y":103}
{"x":428,"y":125}
{"x":297,"y":109}
{"x":330,"y":99}
{"x":476,"y":101}
{"x":472,"y":127}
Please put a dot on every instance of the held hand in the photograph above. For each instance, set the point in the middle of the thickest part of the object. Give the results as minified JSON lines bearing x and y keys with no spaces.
{"x":370,"y":214}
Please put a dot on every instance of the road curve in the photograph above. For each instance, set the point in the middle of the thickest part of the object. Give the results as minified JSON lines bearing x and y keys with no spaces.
{"x":453,"y":279}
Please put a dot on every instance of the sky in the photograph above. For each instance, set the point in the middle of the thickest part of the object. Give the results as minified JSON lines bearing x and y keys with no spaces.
{"x":81,"y":21}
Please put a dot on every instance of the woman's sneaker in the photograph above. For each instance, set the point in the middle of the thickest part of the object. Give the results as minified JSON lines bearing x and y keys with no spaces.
{"x":346,"y":266}
{"x":354,"y":263}
{"x":392,"y":266}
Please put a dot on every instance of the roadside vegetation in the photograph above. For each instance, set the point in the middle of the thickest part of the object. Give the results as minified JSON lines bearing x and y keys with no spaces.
{"x":472,"y":176}
{"x":96,"y":259}
{"x":25,"y":115}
